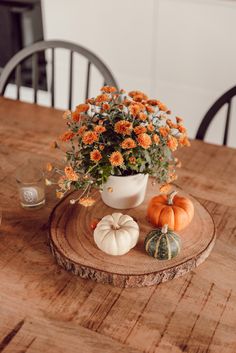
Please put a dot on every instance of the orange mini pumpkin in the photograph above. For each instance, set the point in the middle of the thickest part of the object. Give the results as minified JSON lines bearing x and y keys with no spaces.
{"x":176,"y":211}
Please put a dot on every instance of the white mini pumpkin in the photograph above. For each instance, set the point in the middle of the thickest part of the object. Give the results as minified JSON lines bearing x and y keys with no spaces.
{"x":116,"y":234}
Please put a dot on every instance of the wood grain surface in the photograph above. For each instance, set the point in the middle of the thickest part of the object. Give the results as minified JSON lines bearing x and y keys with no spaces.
{"x":45,"y":309}
{"x":72,"y":244}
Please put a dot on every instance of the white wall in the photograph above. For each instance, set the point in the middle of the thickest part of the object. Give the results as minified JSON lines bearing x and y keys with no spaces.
{"x":181,"y":51}
{"x":196,"y":56}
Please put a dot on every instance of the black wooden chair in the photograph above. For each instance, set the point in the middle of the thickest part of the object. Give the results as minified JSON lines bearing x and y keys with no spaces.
{"x":226,"y":98}
{"x":14,"y":65}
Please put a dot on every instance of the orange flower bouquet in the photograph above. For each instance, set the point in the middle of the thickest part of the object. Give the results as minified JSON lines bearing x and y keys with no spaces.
{"x":118,"y":134}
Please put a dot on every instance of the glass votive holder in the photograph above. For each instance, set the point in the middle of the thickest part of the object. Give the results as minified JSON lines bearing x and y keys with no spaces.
{"x":31,"y":187}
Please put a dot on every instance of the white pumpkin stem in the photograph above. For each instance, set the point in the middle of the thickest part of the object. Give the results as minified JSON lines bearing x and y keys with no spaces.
{"x":164,"y":229}
{"x":115,"y":226}
{"x":170,"y":197}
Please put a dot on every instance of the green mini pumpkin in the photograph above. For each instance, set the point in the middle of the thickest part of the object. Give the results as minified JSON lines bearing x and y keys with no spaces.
{"x":162,"y":243}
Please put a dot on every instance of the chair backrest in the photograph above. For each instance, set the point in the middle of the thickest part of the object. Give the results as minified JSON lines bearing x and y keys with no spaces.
{"x":32,"y":51}
{"x":226,"y":98}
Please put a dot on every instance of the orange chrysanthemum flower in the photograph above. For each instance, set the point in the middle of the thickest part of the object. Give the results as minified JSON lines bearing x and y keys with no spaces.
{"x":165,"y":188}
{"x":68,"y":135}
{"x":178,"y":163}
{"x":76,"y":116}
{"x":153,"y":102}
{"x":123,"y":127}
{"x":90,"y":100}
{"x":184,"y":141}
{"x":108,"y":89}
{"x":90,"y":137}
{"x":66,"y":114}
{"x":132,"y":160}
{"x":139,"y":129}
{"x":149,"y":109}
{"x":70,"y":174}
{"x":150,"y":127}
{"x":172,"y":143}
{"x":138,"y":93}
{"x":156,"y":139}
{"x":102,"y":98}
{"x":179,"y":120}
{"x":121,"y":106}
{"x":126,"y":102}
{"x":181,"y":128}
{"x":81,"y":130}
{"x":138,"y":97}
{"x":59,"y":194}
{"x":164,"y":131}
{"x":141,"y":106}
{"x":49,"y":167}
{"x":105,"y":106}
{"x":82,"y":108}
{"x":95,"y":156}
{"x":87,"y":201}
{"x":162,"y":106}
{"x":48,"y":182}
{"x":128,"y":143}
{"x":116,"y":159}
{"x":134,"y":109}
{"x":142,"y":116}
{"x":101,"y":147}
{"x":172,"y":177}
{"x":171,"y":124}
{"x":99,"y":129}
{"x":61,"y":182}
{"x":144,"y":140}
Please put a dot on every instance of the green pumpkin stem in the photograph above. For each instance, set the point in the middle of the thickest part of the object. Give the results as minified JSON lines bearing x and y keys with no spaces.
{"x":170,"y":197}
{"x":164,"y":229}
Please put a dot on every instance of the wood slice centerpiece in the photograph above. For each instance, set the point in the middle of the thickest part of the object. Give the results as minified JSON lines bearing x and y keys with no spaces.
{"x":72,"y":244}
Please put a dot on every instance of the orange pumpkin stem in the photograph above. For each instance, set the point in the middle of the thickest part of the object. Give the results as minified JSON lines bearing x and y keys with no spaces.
{"x":170,"y":197}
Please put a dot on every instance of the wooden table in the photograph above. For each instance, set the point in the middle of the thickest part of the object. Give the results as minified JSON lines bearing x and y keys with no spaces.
{"x":45,"y":309}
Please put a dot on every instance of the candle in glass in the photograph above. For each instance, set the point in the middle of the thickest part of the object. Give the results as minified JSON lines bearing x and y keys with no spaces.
{"x":31,"y":187}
